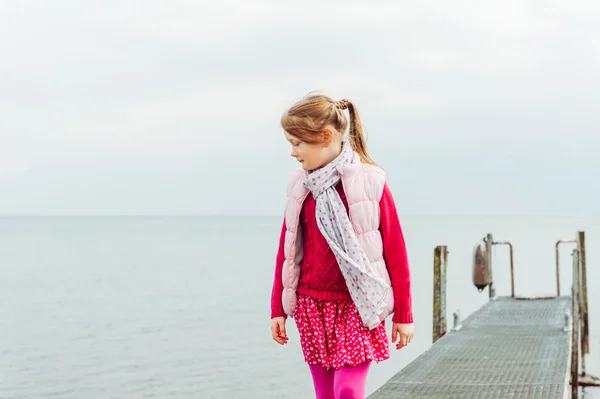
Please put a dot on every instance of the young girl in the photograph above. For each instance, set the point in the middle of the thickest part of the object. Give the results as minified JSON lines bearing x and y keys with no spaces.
{"x":342,"y":266}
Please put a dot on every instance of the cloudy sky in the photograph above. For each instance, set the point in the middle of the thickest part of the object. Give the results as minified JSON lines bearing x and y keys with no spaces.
{"x":173,"y":107}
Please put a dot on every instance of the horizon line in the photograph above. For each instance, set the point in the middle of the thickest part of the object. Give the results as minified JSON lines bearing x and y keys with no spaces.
{"x":475,"y":214}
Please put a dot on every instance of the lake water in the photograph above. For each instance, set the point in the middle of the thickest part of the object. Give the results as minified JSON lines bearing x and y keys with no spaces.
{"x":178,"y":307}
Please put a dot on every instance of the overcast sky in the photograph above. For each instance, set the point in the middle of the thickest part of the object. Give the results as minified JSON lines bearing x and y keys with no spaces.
{"x":173,"y":107}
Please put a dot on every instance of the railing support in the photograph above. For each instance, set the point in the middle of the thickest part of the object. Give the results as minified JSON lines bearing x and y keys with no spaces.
{"x":440,"y":266}
{"x":456,"y":325}
{"x":557,"y":263}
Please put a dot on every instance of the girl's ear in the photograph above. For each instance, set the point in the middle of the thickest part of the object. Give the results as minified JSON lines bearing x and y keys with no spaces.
{"x":327,"y":135}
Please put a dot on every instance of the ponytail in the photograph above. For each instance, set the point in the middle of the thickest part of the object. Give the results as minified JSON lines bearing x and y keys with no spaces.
{"x":356,"y":133}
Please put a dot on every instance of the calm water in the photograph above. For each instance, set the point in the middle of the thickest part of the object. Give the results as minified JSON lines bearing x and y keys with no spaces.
{"x":178,"y":307}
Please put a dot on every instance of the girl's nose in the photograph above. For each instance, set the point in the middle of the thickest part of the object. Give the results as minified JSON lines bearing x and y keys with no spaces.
{"x":294,"y":153}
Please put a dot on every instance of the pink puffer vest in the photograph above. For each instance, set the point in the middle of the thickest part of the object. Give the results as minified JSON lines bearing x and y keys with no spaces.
{"x":363,"y":184}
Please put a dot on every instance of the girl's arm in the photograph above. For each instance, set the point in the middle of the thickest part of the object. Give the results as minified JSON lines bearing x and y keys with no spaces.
{"x":276,"y":300}
{"x":396,"y":258}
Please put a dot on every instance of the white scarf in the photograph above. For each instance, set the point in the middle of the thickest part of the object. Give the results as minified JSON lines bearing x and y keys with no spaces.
{"x":368,"y":291}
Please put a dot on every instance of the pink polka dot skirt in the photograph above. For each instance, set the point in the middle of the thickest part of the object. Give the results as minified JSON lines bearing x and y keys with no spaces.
{"x":333,"y":335}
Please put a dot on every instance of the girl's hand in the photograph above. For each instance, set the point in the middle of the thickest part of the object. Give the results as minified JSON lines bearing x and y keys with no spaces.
{"x":278,"y":330}
{"x":405,"y":332}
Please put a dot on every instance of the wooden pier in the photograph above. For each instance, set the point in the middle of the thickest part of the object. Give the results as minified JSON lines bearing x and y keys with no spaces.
{"x":510,"y":348}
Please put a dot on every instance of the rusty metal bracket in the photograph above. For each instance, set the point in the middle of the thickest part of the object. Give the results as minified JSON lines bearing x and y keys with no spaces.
{"x":587,"y":380}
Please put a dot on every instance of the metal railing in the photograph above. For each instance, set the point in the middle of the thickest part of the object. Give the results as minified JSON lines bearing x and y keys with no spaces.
{"x":489,"y":242}
{"x":558,"y":262}
{"x":512,"y":267}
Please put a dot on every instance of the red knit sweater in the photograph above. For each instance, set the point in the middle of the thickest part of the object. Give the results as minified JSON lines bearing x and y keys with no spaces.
{"x":320,"y":274}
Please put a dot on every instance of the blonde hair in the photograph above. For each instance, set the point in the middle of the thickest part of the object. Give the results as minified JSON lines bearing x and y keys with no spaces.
{"x":308,"y":117}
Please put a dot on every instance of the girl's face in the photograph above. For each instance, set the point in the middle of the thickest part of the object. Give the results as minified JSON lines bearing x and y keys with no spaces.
{"x":310,"y":156}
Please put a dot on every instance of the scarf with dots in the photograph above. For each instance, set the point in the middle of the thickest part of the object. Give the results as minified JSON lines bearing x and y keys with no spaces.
{"x":367,"y":290}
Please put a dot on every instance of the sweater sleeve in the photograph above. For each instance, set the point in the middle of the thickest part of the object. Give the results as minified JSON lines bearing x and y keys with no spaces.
{"x":276,"y":293}
{"x":396,"y":257}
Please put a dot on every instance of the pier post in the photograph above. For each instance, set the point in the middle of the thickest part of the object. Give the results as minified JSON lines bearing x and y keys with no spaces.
{"x":575,"y":329}
{"x":440,"y":266}
{"x":585,"y":338}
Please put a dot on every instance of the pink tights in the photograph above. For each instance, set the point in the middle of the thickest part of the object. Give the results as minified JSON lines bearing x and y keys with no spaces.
{"x":345,"y":383}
